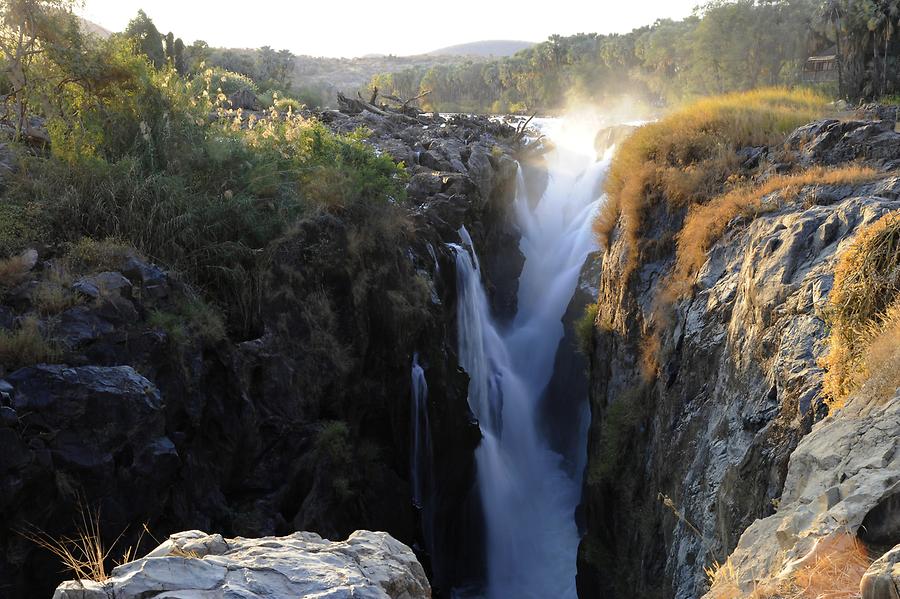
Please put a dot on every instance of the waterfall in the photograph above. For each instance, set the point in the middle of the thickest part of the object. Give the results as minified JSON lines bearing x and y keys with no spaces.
{"x":421,"y":459}
{"x":527,"y":496}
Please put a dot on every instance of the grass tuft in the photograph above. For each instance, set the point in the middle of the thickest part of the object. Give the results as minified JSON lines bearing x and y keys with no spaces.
{"x":84,"y":555}
{"x":25,"y":345}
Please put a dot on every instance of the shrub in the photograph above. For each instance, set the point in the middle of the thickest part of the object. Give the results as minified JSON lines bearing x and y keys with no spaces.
{"x":14,"y":270}
{"x":860,"y":311}
{"x":834,"y":568}
{"x":92,"y":255}
{"x":227,"y":81}
{"x":51,"y":297}
{"x":584,"y":328}
{"x":288,"y":104}
{"x":688,"y":156}
{"x":617,"y":430}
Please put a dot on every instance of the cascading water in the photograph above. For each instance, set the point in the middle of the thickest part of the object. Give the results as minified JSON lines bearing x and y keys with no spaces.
{"x":528,"y":495}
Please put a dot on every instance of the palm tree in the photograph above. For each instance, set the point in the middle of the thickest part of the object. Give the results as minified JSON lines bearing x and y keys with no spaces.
{"x":832,"y":13}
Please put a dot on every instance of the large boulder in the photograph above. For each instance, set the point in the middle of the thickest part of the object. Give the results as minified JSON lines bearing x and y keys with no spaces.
{"x":195,"y":565}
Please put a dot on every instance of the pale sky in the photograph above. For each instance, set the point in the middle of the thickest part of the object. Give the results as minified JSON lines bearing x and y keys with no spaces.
{"x":358,"y":27}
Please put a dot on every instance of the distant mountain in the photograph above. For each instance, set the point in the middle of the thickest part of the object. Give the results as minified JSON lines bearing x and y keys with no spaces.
{"x":484,"y":48}
{"x":94,"y":29}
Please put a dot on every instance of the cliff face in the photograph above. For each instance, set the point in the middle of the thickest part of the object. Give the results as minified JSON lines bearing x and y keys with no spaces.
{"x":149,"y":416}
{"x":685,"y":457}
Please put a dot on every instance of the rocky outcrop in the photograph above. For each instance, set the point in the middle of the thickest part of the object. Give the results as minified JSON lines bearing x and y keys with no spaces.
{"x":687,"y":453}
{"x":842,"y":482}
{"x":194,"y":564}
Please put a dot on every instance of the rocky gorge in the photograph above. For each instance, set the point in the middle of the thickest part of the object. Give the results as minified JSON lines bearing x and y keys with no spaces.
{"x":720,"y":462}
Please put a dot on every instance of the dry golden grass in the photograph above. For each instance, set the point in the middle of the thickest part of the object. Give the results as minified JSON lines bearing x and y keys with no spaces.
{"x":689,"y":156}
{"x":706,"y":223}
{"x":862,"y":313}
{"x":85,"y":555}
{"x":833,"y":570}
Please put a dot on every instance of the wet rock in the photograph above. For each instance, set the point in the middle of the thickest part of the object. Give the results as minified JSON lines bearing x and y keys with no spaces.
{"x":368,"y":565}
{"x":424,"y":185}
{"x":611,"y":136}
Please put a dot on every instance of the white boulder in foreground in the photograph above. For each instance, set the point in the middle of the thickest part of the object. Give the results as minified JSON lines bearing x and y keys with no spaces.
{"x":195,"y":565}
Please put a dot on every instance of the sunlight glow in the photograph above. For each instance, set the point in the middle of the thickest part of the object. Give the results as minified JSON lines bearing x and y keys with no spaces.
{"x":357,"y":28}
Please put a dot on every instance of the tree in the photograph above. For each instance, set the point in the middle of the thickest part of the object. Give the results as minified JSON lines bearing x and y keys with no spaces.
{"x":28,"y":30}
{"x":147,"y":38}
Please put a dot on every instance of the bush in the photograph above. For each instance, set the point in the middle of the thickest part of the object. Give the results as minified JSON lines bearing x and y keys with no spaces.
{"x":688,"y":156}
{"x":863,"y":311}
{"x":227,"y":81}
{"x":288,"y":104}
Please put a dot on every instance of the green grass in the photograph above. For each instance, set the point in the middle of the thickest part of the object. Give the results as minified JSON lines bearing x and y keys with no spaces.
{"x":188,"y":320}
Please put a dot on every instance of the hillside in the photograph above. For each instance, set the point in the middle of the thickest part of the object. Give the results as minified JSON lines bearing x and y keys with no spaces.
{"x":486,"y":48}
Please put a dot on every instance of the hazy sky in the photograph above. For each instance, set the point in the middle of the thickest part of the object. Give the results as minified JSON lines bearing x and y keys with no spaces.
{"x":354,"y":27}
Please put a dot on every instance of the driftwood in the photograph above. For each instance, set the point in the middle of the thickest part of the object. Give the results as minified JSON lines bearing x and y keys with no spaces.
{"x":520,"y":129}
{"x":404,"y":113}
{"x":354,"y":106}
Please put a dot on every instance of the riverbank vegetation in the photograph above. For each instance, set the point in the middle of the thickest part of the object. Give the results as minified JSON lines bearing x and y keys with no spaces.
{"x":137,"y":151}
{"x":724,"y":46}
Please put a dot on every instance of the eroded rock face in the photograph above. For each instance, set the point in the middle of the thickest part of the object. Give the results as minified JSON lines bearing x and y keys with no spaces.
{"x":193,"y":565}
{"x":737,"y":390}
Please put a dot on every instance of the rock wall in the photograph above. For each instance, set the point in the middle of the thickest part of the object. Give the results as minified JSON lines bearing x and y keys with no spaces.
{"x":684,"y":459}
{"x":147,"y":417}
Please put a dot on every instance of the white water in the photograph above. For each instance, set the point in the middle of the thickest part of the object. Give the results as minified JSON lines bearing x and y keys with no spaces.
{"x":528,"y":498}
{"x":421,"y":458}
